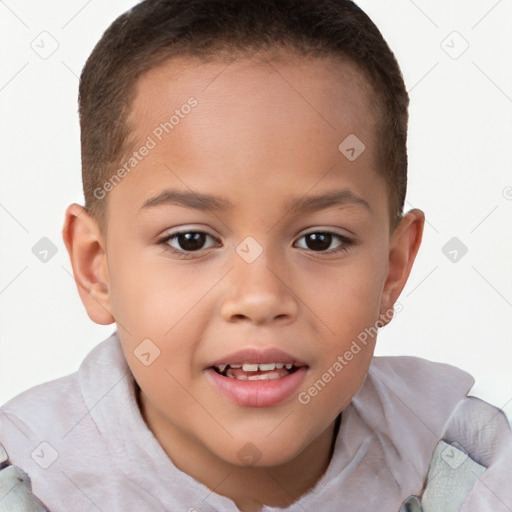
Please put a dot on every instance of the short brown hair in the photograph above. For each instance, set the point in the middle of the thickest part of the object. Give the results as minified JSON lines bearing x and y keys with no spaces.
{"x":156,"y":30}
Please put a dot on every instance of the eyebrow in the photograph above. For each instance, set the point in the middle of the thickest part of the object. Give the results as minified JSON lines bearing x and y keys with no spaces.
{"x":328,"y":200}
{"x":187,"y":200}
{"x":207,"y":202}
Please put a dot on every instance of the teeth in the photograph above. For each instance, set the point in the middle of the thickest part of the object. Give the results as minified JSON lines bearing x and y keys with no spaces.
{"x":266,"y":376}
{"x":262,"y":376}
{"x":258,"y":377}
{"x":254,"y":367}
{"x":262,"y":367}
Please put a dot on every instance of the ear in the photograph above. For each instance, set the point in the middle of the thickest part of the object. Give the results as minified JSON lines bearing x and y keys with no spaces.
{"x":404,"y":245}
{"x":86,"y":249}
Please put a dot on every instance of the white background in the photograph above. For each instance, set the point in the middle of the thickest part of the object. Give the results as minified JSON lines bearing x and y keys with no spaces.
{"x":460,"y":154}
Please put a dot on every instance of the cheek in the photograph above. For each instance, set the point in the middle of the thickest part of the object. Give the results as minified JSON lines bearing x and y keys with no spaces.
{"x":162,"y":309}
{"x":347,"y":303}
{"x":346,"y":299}
{"x":151,"y":296}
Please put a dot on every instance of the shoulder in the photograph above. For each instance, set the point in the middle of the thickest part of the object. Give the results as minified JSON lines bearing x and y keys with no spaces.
{"x":42,"y":407}
{"x":472,"y":465}
{"x":415,"y":405}
{"x":439,"y":390}
{"x":403,"y":405}
{"x":424,"y":391}
{"x":51,"y":433}
{"x":418,"y":372}
{"x":34,"y":425}
{"x":45,"y":416}
{"x":482,"y":430}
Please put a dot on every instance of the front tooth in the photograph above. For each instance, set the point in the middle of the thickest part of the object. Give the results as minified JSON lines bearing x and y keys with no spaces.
{"x":279,"y":366}
{"x":247,"y":367}
{"x":263,"y":376}
{"x":288,"y":366}
{"x":267,"y":367}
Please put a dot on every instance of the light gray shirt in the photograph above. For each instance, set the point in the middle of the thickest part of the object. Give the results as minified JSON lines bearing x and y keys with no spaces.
{"x":86,"y":447}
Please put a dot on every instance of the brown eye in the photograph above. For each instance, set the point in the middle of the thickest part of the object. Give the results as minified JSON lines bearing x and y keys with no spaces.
{"x":190,"y":241}
{"x":318,"y":241}
{"x":324,"y":241}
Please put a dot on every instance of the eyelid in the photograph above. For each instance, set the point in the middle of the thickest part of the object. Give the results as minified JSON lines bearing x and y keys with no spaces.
{"x":187,"y":228}
{"x":171,"y":233}
{"x":346,"y":242}
{"x":344,"y":233}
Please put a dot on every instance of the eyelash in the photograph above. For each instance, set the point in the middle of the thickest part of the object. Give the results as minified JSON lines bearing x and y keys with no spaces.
{"x":182,"y":253}
{"x":345,"y":243}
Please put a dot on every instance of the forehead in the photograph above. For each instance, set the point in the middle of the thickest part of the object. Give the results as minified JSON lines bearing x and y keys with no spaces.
{"x":265,"y":83}
{"x":257,"y":123}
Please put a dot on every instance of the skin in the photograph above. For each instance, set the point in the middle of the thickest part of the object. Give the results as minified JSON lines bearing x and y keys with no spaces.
{"x":264,"y":134}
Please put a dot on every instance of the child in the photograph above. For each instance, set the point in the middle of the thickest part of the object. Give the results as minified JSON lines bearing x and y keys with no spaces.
{"x":244,"y":172}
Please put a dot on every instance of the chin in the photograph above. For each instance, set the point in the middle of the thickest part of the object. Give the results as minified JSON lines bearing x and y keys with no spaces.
{"x":261,"y":453}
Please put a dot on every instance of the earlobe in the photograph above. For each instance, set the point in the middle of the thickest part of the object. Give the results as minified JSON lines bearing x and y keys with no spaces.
{"x":404,"y":245}
{"x":86,"y":249}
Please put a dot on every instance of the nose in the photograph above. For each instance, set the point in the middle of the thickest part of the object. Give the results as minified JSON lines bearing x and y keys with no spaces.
{"x":258,"y":293}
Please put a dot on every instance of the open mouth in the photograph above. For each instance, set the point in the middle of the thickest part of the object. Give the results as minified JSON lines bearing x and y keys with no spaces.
{"x":255,"y":371}
{"x":257,"y":378}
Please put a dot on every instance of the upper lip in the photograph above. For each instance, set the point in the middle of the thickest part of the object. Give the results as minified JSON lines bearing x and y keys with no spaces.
{"x":260,"y":356}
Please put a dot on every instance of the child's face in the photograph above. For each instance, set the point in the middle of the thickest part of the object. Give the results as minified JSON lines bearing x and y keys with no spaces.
{"x":264,"y":140}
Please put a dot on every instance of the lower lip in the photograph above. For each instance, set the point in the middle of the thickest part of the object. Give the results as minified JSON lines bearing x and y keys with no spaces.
{"x":257,"y":393}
